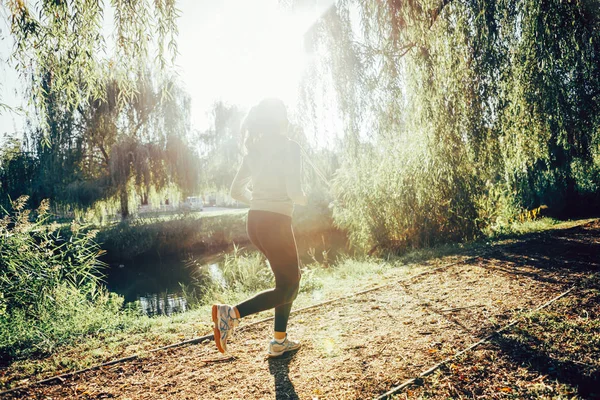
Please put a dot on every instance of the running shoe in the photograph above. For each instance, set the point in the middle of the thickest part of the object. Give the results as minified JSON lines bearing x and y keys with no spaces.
{"x":277,"y":348}
{"x":225,"y":321}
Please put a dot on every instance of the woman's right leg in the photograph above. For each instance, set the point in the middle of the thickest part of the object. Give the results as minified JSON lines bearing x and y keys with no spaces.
{"x":272,"y":234}
{"x":272,"y":298}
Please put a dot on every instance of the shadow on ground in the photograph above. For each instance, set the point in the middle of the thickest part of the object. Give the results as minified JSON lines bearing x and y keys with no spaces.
{"x":279,"y":368}
{"x":526,"y":351}
{"x":564,"y":257}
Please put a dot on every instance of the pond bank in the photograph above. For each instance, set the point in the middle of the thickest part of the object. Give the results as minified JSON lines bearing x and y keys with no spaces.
{"x":152,"y":260}
{"x":192,"y":233}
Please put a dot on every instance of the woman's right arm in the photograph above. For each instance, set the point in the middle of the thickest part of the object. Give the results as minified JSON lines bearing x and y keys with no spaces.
{"x":293,"y":179}
{"x":239,"y":187}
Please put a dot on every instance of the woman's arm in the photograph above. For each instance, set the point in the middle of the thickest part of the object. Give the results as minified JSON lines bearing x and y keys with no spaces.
{"x":293,"y":179}
{"x":239,"y":187}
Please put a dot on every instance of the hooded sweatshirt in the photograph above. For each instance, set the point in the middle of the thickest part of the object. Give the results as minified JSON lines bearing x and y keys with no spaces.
{"x":273,"y":169}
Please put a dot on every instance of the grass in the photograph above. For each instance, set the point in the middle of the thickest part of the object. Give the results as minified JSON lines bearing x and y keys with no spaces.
{"x":131,"y":334}
{"x":511,"y":232}
{"x":127,"y":333}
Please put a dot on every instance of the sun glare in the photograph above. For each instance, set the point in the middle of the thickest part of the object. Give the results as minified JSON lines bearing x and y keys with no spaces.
{"x":241,"y":52}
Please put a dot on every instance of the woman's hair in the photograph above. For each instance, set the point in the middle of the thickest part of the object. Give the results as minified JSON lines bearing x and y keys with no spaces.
{"x":267,"y":118}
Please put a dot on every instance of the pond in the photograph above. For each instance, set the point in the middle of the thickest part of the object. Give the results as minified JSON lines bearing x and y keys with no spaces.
{"x":156,"y":284}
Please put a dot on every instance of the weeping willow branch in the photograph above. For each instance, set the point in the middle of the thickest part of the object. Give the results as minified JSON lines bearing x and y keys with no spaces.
{"x":435,"y":13}
{"x":58,"y":43}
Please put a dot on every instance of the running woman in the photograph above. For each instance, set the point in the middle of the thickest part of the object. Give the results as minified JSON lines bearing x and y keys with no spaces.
{"x":272,"y":167}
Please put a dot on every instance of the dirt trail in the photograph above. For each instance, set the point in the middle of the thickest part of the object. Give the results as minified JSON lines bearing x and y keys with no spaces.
{"x":363,"y":346}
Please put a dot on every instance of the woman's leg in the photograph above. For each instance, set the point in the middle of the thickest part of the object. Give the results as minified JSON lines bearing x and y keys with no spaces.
{"x":272,"y":298}
{"x":272,"y":234}
{"x":282,"y":314}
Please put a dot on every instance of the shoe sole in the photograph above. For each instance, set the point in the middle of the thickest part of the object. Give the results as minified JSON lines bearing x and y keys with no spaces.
{"x":272,"y":355}
{"x":216,"y":331}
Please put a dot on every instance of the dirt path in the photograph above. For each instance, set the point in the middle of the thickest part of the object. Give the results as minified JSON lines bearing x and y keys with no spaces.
{"x":362,"y":346}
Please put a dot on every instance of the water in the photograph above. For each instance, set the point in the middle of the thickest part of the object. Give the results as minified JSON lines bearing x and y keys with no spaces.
{"x":156,"y":284}
{"x":162,"y":304}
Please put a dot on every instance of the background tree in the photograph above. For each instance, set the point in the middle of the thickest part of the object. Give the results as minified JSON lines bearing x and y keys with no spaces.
{"x":459,"y":114}
{"x":136,"y":151}
{"x":58,"y":43}
{"x":105,"y":128}
{"x":17,"y":171}
{"x":221,"y":146}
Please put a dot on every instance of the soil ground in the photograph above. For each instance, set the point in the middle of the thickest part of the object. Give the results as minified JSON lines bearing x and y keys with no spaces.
{"x":362,"y":346}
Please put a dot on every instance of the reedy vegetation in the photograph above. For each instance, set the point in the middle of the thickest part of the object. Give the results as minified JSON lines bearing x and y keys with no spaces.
{"x":50,"y":290}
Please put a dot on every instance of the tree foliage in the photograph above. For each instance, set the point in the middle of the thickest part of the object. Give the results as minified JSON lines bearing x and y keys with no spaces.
{"x":59,"y":44}
{"x":140,"y":148}
{"x":221,"y":146}
{"x":112,"y":128}
{"x":467,"y":112}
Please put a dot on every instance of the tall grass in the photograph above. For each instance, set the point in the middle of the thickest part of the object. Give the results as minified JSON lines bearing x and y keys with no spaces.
{"x":50,"y":292}
{"x":241,"y":273}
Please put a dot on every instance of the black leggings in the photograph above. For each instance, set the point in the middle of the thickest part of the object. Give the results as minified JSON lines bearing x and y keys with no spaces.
{"x":272,"y":234}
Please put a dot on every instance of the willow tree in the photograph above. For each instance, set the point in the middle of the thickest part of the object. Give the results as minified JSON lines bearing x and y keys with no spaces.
{"x":221,"y":146}
{"x":135,"y":151}
{"x":468,"y":111}
{"x":58,"y":45}
{"x":104,"y":126}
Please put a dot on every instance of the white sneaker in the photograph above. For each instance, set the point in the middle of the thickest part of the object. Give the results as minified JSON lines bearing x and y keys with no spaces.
{"x":277,"y":348}
{"x":225,"y":321}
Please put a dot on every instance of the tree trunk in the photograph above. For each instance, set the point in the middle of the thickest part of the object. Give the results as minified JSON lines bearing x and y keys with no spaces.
{"x":124,"y":204}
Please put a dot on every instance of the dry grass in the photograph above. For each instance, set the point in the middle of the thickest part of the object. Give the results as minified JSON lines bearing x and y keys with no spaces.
{"x":553,"y":353}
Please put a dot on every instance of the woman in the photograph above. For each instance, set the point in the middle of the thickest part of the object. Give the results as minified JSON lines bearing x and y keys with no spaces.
{"x":273,"y":167}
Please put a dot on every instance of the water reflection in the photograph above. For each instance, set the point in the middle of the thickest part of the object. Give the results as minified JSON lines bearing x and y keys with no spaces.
{"x":153,"y":286}
{"x":162,"y":304}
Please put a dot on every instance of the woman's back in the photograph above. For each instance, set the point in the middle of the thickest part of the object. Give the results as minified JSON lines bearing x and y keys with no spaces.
{"x":273,"y":168}
{"x":268,"y":166}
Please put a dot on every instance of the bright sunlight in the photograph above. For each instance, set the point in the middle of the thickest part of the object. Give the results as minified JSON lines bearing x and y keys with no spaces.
{"x":240,"y":52}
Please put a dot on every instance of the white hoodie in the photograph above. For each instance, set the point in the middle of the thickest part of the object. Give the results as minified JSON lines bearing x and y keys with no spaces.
{"x":274,"y":169}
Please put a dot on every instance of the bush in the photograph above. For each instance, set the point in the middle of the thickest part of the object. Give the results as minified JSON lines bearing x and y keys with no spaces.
{"x":50,"y":289}
{"x":174,"y":236}
{"x":406,"y":197}
{"x":178,"y":235}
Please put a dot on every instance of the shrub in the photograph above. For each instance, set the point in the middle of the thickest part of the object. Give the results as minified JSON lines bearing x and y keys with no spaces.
{"x":406,"y":197}
{"x":49,"y":285}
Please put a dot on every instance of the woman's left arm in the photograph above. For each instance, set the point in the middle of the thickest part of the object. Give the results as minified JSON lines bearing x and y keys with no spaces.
{"x":239,"y":187}
{"x":294,"y":176}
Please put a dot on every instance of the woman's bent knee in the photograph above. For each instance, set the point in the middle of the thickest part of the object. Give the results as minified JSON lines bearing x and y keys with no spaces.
{"x":294,"y":291}
{"x":288,"y":292}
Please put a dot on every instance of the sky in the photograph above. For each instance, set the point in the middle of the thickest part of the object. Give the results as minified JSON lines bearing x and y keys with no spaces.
{"x":10,"y":122}
{"x":237,"y":51}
